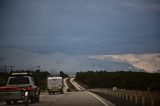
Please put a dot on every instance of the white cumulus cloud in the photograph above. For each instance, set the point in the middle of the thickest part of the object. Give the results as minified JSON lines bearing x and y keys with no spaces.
{"x":148,"y":62}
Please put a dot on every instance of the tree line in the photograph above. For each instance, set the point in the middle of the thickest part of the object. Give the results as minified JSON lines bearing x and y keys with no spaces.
{"x":120,"y":79}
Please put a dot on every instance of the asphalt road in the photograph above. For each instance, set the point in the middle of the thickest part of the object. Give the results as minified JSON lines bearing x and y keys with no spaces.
{"x":67,"y":99}
{"x":77,"y":97}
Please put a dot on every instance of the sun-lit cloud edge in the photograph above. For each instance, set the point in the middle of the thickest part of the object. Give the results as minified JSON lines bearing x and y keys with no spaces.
{"x":149,"y":61}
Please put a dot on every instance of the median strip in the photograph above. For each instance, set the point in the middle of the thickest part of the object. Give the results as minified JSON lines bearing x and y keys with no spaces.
{"x":71,"y":86}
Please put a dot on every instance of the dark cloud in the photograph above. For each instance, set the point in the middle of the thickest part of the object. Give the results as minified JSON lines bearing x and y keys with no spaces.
{"x":1,"y":58}
{"x":80,"y":27}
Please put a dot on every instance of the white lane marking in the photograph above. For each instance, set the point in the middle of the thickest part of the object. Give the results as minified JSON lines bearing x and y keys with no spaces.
{"x":98,"y":98}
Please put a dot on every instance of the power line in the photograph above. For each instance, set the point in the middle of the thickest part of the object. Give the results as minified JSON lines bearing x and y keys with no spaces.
{"x":6,"y":68}
{"x":15,"y":53}
{"x":12,"y":68}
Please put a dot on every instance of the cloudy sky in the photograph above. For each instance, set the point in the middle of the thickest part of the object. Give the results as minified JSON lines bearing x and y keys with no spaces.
{"x":75,"y":35}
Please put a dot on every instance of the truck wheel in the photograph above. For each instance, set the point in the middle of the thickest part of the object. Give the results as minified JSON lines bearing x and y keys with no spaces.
{"x":8,"y":102}
{"x":62,"y":92}
{"x":26,"y":101}
{"x":26,"y":104}
{"x":33,"y":99}
{"x":49,"y":92}
{"x":37,"y":99}
{"x":15,"y":102}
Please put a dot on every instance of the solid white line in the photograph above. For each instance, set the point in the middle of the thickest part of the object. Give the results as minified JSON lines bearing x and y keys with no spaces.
{"x":98,"y":99}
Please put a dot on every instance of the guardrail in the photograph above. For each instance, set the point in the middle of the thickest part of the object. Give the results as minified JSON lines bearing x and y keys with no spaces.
{"x":140,"y":98}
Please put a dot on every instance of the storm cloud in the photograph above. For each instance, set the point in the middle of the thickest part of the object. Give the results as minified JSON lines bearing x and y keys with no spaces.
{"x":77,"y":28}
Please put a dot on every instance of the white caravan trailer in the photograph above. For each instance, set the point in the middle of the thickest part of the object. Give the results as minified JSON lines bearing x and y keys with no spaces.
{"x":54,"y":84}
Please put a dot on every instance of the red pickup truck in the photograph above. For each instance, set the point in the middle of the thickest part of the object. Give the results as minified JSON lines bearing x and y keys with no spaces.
{"x":20,"y":86}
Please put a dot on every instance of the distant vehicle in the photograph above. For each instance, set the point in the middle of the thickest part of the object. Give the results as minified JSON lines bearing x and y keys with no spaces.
{"x":20,"y":86}
{"x":54,"y":84}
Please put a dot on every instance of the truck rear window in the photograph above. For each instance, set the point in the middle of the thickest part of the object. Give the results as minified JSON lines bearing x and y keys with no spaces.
{"x":18,"y":80}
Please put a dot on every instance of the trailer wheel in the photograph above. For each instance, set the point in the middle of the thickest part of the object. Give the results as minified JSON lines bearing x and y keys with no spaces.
{"x":62,"y":92}
{"x":49,"y":92}
{"x":37,"y":99}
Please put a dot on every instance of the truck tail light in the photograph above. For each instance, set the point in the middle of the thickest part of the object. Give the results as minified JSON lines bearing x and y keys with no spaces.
{"x":29,"y":88}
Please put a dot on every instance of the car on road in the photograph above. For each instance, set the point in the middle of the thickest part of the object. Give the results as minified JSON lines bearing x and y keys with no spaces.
{"x":18,"y":85}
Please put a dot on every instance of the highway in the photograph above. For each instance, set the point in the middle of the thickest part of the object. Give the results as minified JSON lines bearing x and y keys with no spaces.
{"x":75,"y":95}
{"x":67,"y":99}
{"x":80,"y":98}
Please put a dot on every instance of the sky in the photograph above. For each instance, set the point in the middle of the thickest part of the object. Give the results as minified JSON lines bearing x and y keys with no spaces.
{"x":75,"y":35}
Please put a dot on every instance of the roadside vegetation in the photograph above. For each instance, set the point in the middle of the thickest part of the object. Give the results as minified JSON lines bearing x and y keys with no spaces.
{"x":41,"y":76}
{"x":121,"y":79}
{"x":63,"y":75}
{"x":3,"y":78}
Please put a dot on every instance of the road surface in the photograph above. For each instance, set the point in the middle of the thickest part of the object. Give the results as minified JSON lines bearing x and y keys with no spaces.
{"x":74,"y":98}
{"x":68,"y":99}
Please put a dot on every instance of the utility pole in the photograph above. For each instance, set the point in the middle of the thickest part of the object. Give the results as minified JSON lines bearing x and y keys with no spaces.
{"x":38,"y":67}
{"x":5,"y":68}
{"x":11,"y":68}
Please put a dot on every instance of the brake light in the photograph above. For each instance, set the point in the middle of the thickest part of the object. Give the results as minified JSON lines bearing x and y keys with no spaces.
{"x":29,"y":88}
{"x":9,"y":88}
